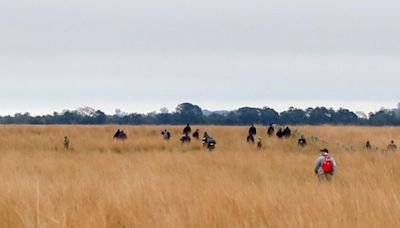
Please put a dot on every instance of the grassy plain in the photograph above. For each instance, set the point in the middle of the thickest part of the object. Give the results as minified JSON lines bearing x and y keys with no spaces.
{"x":148,"y":182}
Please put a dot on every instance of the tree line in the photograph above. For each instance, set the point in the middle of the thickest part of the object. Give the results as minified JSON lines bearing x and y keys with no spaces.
{"x":190,"y":113}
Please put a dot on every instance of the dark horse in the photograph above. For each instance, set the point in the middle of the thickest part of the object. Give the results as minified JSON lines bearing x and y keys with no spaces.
{"x":120,"y":135}
{"x":209,"y":142}
{"x":185,"y":138}
{"x":250,"y":138}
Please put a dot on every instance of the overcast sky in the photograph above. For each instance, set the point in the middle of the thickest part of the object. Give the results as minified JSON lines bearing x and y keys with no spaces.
{"x":140,"y":56}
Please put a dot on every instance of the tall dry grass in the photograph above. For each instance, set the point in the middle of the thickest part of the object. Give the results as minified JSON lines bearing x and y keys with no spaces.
{"x":147,"y":182}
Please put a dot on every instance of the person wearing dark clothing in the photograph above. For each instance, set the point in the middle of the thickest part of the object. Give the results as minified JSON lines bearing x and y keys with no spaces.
{"x":66,"y":142}
{"x":280,"y":133}
{"x":302,"y":141}
{"x":287,"y":132}
{"x":368,"y":145}
{"x":252,"y":130}
{"x":196,"y":134}
{"x":208,"y":142}
{"x":270,"y":130}
{"x":187,"y":130}
{"x":117,"y":134}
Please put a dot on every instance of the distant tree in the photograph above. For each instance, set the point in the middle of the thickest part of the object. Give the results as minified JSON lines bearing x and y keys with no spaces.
{"x":249,"y":115}
{"x":268,"y":116}
{"x":217,"y":119}
{"x":293,"y":116}
{"x":320,"y":115}
{"x":189,"y":113}
{"x":345,"y":116}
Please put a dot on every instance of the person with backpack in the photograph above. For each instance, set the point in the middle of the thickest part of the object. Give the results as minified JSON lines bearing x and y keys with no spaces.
{"x":325,"y":166}
{"x":166,"y":135}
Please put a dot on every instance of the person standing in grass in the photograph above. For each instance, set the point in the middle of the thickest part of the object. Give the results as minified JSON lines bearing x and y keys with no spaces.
{"x":392,"y":146}
{"x":325,"y":166}
{"x":187,"y":130}
{"x":66,"y":142}
{"x":259,"y":142}
{"x":252,"y":130}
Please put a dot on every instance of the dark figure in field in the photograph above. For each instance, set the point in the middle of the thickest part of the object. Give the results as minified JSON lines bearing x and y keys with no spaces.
{"x":121,"y":135}
{"x":302,"y":141}
{"x":368,"y":145}
{"x":166,"y":135}
{"x":66,"y":142}
{"x":287,"y":132}
{"x":187,"y":130}
{"x":116,"y":135}
{"x":280,"y":133}
{"x":208,"y":142}
{"x":196,"y":134}
{"x":259,"y":142}
{"x":252,"y":130}
{"x":392,"y":146}
{"x":270,"y":130}
{"x":250,"y":138}
{"x":185,"y":138}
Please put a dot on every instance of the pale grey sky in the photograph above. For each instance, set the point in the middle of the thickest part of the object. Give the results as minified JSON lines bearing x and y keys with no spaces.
{"x":143,"y":55}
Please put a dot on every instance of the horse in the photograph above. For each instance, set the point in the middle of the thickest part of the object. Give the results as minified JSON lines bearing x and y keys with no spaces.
{"x":250,"y":138}
{"x":185,"y":138}
{"x":209,"y":143}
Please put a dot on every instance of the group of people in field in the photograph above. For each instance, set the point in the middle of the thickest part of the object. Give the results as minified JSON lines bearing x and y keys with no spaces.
{"x":390,"y":147}
{"x":208,"y":141}
{"x":325,"y":165}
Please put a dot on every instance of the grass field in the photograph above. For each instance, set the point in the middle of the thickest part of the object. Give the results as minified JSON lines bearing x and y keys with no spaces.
{"x":148,"y":182}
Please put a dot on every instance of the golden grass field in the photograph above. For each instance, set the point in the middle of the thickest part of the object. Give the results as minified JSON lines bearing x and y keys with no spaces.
{"x":147,"y":182}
